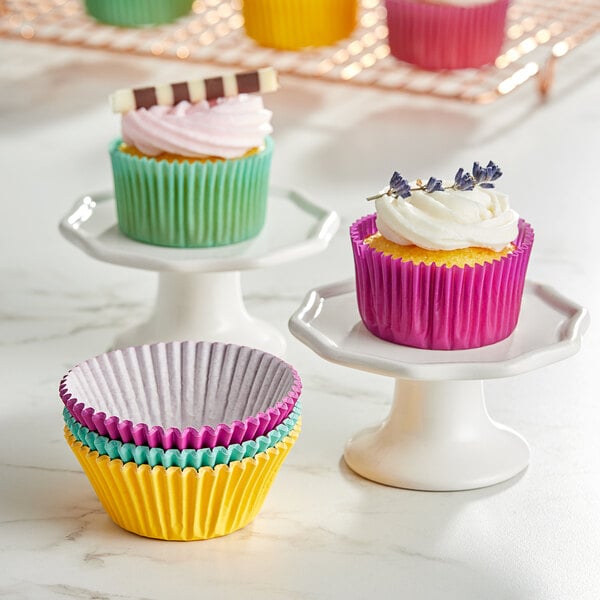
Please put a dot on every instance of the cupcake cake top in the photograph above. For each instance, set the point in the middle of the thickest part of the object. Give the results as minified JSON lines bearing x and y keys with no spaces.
{"x":219,"y":116}
{"x":447,"y":215}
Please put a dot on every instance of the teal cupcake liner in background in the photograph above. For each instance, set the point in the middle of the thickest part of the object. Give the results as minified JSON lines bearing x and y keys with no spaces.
{"x":205,"y":457}
{"x":191,"y":204}
{"x":136,"y":13}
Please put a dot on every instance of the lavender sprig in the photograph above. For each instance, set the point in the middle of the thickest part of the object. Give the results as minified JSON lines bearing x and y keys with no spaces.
{"x":463,"y":181}
{"x":398,"y":187}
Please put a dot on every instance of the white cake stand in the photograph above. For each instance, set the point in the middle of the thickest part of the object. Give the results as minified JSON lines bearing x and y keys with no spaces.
{"x":199,"y":290}
{"x":438,"y":435}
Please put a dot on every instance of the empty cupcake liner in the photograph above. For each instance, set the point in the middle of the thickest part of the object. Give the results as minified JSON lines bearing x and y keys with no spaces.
{"x":191,"y":203}
{"x":295,"y":24}
{"x":182,"y":504}
{"x":438,"y":307}
{"x":184,"y":395}
{"x":443,"y":36}
{"x":205,"y":457}
{"x":134,"y":13}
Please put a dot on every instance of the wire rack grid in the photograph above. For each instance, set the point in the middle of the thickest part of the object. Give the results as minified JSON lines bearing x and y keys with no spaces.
{"x":538,"y":33}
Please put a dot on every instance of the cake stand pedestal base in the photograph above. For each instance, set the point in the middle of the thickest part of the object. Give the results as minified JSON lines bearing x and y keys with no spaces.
{"x":438,"y":437}
{"x":199,"y":289}
{"x":202,"y":306}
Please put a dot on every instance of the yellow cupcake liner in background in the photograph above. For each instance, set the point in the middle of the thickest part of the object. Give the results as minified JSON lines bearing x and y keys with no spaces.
{"x":295,"y":24}
{"x":182,"y":504}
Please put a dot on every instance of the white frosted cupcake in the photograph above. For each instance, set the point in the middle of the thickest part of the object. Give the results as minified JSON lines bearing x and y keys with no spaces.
{"x":441,"y":265}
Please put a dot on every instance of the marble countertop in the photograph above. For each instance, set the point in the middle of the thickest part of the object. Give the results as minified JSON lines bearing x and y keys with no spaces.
{"x":323,"y":532}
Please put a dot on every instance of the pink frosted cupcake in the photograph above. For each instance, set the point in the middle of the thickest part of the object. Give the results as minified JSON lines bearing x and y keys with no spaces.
{"x":191,"y":169}
{"x":446,"y":34}
{"x":441,"y":265}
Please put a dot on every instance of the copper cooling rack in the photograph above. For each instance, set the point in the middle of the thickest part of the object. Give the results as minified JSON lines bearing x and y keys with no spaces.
{"x":538,"y":33}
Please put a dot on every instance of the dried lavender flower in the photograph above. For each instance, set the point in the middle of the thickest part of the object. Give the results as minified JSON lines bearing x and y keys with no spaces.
{"x":433,"y":185}
{"x":399,"y":186}
{"x":463,"y":181}
{"x":485,"y":175}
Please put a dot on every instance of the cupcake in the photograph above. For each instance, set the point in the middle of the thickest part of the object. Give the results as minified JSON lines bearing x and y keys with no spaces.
{"x":296,"y":24}
{"x":446,"y":34}
{"x":442,"y":264}
{"x":137,"y":13}
{"x":191,"y":168}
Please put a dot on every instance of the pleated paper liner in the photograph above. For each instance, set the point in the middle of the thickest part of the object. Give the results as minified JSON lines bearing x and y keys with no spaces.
{"x":182,"y":394}
{"x":182,"y":504}
{"x":191,"y":203}
{"x":296,"y":24}
{"x":135,"y":13}
{"x":438,"y":307}
{"x":205,"y":457}
{"x":438,"y":36}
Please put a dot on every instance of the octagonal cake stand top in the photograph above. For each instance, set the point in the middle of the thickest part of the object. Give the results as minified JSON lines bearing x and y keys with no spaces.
{"x":549,"y":329}
{"x":295,"y":227}
{"x":199,"y":293}
{"x":439,"y":435}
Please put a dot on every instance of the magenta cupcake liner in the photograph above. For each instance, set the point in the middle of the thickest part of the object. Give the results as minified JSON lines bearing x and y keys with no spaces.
{"x":438,"y":307}
{"x":184,"y":395}
{"x":438,"y":36}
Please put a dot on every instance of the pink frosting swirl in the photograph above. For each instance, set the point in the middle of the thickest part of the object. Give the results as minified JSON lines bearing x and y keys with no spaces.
{"x":228,"y":128}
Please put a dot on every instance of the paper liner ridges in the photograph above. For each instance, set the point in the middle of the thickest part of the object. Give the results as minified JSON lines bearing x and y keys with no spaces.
{"x":176,"y":504}
{"x":292,"y":24}
{"x":191,"y":203}
{"x":182,"y":394}
{"x":205,"y":457}
{"x":436,"y":36}
{"x":133,"y":13}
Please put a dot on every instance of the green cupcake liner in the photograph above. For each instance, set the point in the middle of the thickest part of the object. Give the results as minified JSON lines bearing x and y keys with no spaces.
{"x":191,"y":204}
{"x":205,"y":457}
{"x":136,"y":13}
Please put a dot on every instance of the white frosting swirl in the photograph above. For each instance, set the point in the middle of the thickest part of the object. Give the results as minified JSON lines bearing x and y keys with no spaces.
{"x":228,"y":128}
{"x":449,"y":219}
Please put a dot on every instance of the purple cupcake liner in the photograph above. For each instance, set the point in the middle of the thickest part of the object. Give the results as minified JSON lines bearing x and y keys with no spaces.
{"x":184,"y":395}
{"x":438,"y":307}
{"x":441,"y":36}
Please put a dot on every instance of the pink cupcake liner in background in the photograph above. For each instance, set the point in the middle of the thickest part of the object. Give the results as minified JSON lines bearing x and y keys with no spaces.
{"x":184,"y":395}
{"x":438,"y":36}
{"x":438,"y":307}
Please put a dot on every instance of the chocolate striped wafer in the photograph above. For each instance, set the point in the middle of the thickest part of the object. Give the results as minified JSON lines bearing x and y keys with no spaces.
{"x":261,"y":81}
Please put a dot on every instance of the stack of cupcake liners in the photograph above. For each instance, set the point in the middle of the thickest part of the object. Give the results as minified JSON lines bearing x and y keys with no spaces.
{"x":182,"y":440}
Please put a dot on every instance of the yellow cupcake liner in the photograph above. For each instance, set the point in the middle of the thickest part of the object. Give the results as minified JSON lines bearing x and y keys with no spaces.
{"x":182,"y":504}
{"x":295,"y":24}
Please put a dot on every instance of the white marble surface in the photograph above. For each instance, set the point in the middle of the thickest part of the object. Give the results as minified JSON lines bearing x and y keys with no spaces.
{"x":323,"y":532}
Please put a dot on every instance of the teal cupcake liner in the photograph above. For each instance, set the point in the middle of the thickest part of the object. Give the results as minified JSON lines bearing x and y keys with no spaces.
{"x":136,"y":13}
{"x":205,"y":457}
{"x":192,"y":203}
